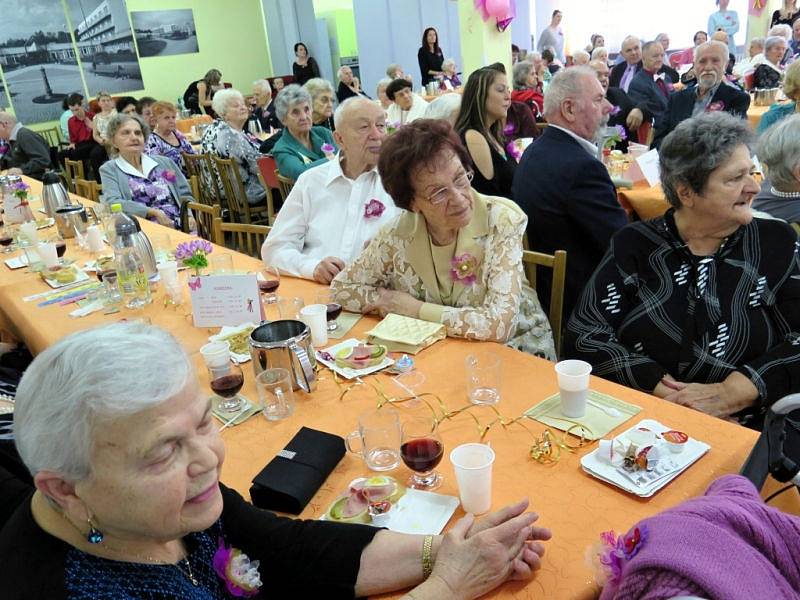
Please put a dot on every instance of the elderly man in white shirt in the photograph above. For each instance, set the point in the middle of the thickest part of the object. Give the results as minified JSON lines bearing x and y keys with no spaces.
{"x":407,"y":106}
{"x":335,"y":208}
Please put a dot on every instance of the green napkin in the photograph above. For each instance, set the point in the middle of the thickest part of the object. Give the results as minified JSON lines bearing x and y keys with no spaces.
{"x":242,"y":415}
{"x":345,"y":323}
{"x":548,"y":411}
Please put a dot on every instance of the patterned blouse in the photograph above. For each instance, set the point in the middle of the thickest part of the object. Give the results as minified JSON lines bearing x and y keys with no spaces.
{"x":224,"y":141}
{"x":488,"y":302}
{"x":653,"y":308}
{"x":153,"y":191}
{"x":158,"y":146}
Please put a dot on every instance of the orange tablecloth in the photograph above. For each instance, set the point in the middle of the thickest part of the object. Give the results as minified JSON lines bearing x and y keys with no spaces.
{"x":754,"y":114}
{"x":185,"y":125}
{"x":576,"y":506}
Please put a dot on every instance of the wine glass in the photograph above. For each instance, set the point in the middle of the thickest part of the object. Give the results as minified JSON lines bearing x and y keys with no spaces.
{"x":334,"y":308}
{"x":421,"y":450}
{"x":268,"y":284}
{"x":61,"y":245}
{"x":6,"y":239}
{"x":226,"y":380}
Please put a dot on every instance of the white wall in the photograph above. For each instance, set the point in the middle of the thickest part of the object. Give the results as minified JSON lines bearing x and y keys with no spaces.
{"x":390,"y":31}
{"x":289,"y":22}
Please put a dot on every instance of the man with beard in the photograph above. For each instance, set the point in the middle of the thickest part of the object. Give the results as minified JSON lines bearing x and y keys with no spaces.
{"x":712,"y":92}
{"x":564,"y":189}
{"x":336,"y":207}
{"x":624,"y":111}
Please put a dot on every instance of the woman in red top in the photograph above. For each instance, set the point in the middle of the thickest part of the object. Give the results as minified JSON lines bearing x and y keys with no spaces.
{"x":526,"y":87}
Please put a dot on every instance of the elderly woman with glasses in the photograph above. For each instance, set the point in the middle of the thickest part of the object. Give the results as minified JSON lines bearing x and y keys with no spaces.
{"x":455,"y":256}
{"x":226,"y":139}
{"x":128,"y":503}
{"x":302,"y":145}
{"x":700,"y":306}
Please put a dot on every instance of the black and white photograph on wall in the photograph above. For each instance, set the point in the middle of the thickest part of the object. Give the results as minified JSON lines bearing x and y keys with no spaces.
{"x":104,"y":39}
{"x":165,"y":32}
{"x":38,"y":59}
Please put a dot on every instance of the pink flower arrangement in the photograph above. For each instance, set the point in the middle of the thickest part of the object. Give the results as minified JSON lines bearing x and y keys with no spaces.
{"x":240,"y":575}
{"x":608,"y":557}
{"x":464,"y":269}
{"x":374,"y":209}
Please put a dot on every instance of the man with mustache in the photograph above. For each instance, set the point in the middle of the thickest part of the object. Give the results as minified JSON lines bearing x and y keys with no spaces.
{"x":712,"y":92}
{"x":334,"y":208}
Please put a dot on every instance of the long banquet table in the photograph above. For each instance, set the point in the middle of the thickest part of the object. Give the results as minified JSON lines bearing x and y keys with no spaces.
{"x":574,"y":505}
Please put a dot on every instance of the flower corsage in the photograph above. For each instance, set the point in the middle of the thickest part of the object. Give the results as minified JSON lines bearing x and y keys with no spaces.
{"x":169,"y":176}
{"x":373,"y":209}
{"x":717,"y":106}
{"x":464,"y":269}
{"x":239,"y":573}
{"x":609,"y":556}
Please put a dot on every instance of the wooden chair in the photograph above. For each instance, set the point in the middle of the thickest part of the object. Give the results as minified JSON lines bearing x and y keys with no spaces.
{"x":201,"y":166}
{"x":51,"y":135}
{"x":285,"y":183}
{"x":194,"y":185}
{"x":73,"y":170}
{"x":557,"y":262}
{"x":88,"y":189}
{"x":245,"y":237}
{"x":205,"y":216}
{"x":645,"y":133}
{"x":268,"y":175}
{"x":240,"y":209}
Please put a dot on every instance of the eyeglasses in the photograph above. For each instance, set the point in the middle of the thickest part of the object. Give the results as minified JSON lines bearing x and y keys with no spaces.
{"x":461,"y":183}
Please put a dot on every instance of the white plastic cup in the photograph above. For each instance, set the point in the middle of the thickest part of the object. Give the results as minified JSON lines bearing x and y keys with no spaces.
{"x":316,"y":317}
{"x":48,"y":254}
{"x":168,"y":272}
{"x":573,"y":386}
{"x":473,"y":466}
{"x":216,"y":354}
{"x":94,"y":238}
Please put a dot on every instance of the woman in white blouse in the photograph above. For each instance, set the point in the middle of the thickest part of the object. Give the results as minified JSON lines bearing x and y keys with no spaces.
{"x":455,"y":257}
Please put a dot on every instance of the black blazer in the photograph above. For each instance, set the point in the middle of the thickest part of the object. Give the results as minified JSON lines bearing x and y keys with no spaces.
{"x":617,"y":71}
{"x":617,"y":97}
{"x":29,"y":153}
{"x":571,"y":205}
{"x":645,"y":93}
{"x":681,"y":104}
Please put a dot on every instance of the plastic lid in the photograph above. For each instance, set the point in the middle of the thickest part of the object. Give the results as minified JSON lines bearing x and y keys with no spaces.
{"x":116,"y":207}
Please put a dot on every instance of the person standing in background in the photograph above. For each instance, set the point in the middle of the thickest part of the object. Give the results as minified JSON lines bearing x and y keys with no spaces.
{"x":304,"y":66}
{"x":553,"y":36}
{"x":430,"y":57}
{"x":787,"y":14}
{"x":725,"y":20}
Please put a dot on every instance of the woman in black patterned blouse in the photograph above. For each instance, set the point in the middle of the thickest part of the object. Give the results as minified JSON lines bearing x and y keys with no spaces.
{"x":701,"y":306}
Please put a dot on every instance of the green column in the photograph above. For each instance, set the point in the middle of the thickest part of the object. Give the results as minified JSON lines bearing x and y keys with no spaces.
{"x":481,"y":43}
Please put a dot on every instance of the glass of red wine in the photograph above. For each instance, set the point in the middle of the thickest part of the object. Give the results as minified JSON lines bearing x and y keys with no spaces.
{"x":421,"y":449}
{"x":334,"y":308}
{"x":6,"y":239}
{"x":268,"y":282}
{"x":226,"y":380}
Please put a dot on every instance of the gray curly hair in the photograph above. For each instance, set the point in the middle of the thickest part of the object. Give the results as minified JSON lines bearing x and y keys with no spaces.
{"x":117,"y":121}
{"x":288,"y":97}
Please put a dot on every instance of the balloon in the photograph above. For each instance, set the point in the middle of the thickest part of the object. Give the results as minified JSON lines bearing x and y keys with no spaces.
{"x":497,"y":8}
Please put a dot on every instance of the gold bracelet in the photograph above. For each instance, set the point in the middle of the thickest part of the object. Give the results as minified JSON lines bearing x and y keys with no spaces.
{"x":427,"y":559}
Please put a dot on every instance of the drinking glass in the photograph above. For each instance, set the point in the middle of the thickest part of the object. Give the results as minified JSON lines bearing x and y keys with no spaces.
{"x":161,"y":246}
{"x":268,"y":281}
{"x":334,"y":308}
{"x":6,"y":239}
{"x":61,"y":245}
{"x":226,"y":380}
{"x":289,"y":308}
{"x":421,"y":450}
{"x":275,"y":394}
{"x":221,"y":263}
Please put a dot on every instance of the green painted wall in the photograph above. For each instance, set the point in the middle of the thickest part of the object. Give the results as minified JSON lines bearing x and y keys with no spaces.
{"x":344,"y":30}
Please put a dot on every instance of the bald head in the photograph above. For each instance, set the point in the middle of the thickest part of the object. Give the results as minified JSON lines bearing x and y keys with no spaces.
{"x":7,"y":124}
{"x":720,"y":36}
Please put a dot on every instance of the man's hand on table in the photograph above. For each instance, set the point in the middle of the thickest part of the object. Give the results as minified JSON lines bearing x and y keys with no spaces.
{"x":328,"y":268}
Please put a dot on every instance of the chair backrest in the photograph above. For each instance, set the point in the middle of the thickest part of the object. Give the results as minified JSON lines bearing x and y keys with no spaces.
{"x":269,"y":172}
{"x":205,"y":217}
{"x":201,"y":166}
{"x":557,"y":262}
{"x":73,"y":169}
{"x":51,"y":135}
{"x":194,"y":185}
{"x":285,"y":183}
{"x":88,"y":189}
{"x":645,"y":133}
{"x":233,"y":189}
{"x":245,"y":237}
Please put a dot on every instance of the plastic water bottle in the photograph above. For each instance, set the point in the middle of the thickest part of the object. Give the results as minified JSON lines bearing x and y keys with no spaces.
{"x":131,"y":273}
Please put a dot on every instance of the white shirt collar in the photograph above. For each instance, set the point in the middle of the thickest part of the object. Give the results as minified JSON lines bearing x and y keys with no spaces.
{"x":587,"y":145}
{"x":148,"y":164}
{"x":335,"y":170}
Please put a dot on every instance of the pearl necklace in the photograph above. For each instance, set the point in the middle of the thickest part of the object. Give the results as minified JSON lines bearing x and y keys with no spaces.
{"x":780,"y":194}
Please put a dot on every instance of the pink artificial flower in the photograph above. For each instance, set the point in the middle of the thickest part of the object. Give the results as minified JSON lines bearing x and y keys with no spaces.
{"x":169,"y":176}
{"x":374,"y":209}
{"x":609,"y":557}
{"x":240,"y":575}
{"x":716,"y":106}
{"x":615,"y":110}
{"x":513,"y":151}
{"x":464,"y":269}
{"x":328,"y":148}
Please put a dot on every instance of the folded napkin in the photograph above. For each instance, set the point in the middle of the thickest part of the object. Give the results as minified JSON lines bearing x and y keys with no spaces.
{"x":406,"y":334}
{"x":599,"y":423}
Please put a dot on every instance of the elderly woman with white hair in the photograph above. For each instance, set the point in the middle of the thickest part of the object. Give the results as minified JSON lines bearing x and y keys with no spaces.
{"x":600,"y":53}
{"x":445,"y":107}
{"x":349,"y":85}
{"x":225,"y":138}
{"x":755,"y":56}
{"x":147,"y":186}
{"x":380,"y":92}
{"x":698,"y":307}
{"x":321,"y":92}
{"x":264,"y":111}
{"x":302,"y":145}
{"x":450,"y":80}
{"x":779,"y":151}
{"x":128,"y":501}
{"x":769,"y":73}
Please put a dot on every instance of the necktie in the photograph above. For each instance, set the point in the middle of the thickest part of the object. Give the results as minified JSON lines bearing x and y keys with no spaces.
{"x":625,"y":82}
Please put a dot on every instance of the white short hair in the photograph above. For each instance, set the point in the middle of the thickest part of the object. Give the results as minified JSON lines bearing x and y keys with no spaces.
{"x":349,"y":105}
{"x":382,"y":84}
{"x":263,"y":85}
{"x":317,"y":86}
{"x":598,"y":51}
{"x":773,"y":41}
{"x":448,"y":62}
{"x":712,"y":44}
{"x":566,"y":83}
{"x":222,"y":100}
{"x":580,"y":54}
{"x":779,"y":150}
{"x":341,"y":70}
{"x":781,"y":30}
{"x":86,"y":379}
{"x":444,"y":107}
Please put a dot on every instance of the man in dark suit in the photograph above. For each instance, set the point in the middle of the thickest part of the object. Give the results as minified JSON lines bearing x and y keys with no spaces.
{"x":28,"y":153}
{"x":624,"y":112}
{"x":674,"y":77}
{"x":563,"y":188}
{"x":711,"y":93}
{"x":622,"y":74}
{"x":649,"y":89}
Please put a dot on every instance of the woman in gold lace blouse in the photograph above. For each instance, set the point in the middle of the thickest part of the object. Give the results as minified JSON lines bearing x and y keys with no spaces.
{"x":455,"y":256}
